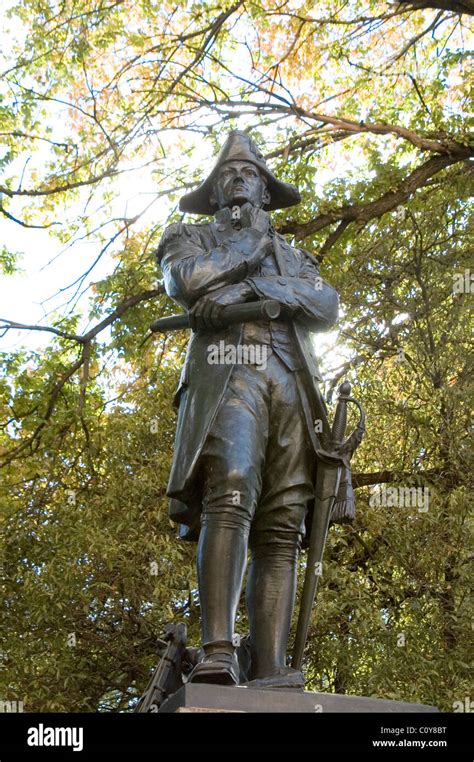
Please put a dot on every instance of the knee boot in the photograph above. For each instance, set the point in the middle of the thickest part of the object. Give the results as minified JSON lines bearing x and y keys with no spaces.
{"x":271,"y":590}
{"x":221,"y":562}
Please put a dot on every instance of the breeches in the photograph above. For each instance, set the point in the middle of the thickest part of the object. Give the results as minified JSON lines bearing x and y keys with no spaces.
{"x":257,"y":465}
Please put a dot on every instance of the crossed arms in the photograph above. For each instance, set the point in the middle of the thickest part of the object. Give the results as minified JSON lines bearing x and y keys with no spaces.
{"x":203,"y":281}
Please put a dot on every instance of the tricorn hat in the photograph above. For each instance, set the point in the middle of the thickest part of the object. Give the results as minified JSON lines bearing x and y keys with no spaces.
{"x":240,"y":147}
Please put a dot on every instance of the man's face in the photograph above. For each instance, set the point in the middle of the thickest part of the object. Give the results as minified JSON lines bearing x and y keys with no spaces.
{"x":237,"y":183}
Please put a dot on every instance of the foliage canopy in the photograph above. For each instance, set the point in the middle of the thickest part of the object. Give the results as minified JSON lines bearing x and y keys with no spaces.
{"x":364,"y":105}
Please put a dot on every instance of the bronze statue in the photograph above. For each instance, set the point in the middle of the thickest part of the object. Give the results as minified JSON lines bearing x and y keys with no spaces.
{"x":252,"y":439}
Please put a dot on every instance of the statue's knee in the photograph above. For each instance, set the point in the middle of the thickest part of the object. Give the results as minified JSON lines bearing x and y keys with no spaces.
{"x":237,"y":493}
{"x":284,"y":546}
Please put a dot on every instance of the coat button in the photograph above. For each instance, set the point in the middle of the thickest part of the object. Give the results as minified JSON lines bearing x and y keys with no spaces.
{"x":282,"y":281}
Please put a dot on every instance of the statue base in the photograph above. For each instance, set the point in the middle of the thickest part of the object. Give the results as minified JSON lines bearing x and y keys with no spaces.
{"x":199,"y":697}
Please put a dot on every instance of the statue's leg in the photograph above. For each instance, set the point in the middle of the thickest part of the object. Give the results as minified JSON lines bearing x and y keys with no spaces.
{"x":271,"y":589}
{"x":230,"y":468}
{"x":221,"y":562}
{"x":278,"y":526}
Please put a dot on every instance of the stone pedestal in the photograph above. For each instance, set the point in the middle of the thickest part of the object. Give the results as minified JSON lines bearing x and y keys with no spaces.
{"x":196,"y":697}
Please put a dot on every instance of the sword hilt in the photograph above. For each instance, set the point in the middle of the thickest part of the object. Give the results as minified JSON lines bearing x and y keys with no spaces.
{"x":340,"y":416}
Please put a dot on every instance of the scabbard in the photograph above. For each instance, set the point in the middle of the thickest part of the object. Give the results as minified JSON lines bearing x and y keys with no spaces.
{"x":327,"y":485}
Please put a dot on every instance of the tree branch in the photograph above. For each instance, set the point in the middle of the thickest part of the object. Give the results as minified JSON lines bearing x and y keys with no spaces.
{"x":24,"y":224}
{"x":466,"y":6}
{"x":84,"y":358}
{"x":441,"y":144}
{"x":386,"y":477}
{"x":362,"y":213}
{"x":7,"y":325}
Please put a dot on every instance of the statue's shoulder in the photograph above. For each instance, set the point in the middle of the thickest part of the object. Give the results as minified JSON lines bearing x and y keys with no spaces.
{"x":308,"y":255}
{"x":180,"y":230}
{"x":302,"y":254}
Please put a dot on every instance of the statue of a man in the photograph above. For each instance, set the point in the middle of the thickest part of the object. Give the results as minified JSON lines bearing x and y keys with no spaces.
{"x":244,"y":464}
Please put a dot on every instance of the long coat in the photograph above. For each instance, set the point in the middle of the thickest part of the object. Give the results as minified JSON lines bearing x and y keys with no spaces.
{"x":195,"y":260}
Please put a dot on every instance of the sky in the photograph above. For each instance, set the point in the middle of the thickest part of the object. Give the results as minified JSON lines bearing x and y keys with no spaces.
{"x":34,"y":295}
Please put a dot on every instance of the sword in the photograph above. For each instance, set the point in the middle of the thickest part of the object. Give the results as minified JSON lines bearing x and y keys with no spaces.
{"x":330,"y":462}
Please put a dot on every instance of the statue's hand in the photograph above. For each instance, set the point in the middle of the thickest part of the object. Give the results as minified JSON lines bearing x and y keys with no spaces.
{"x":206,"y":314}
{"x":253,"y":245}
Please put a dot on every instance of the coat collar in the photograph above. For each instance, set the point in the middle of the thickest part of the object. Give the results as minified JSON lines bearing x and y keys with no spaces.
{"x":221,"y":227}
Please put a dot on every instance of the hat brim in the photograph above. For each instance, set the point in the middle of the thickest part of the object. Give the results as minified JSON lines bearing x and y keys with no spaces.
{"x":282,"y":194}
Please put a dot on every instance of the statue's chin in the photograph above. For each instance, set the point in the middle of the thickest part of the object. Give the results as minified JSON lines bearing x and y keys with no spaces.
{"x":240,"y":199}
